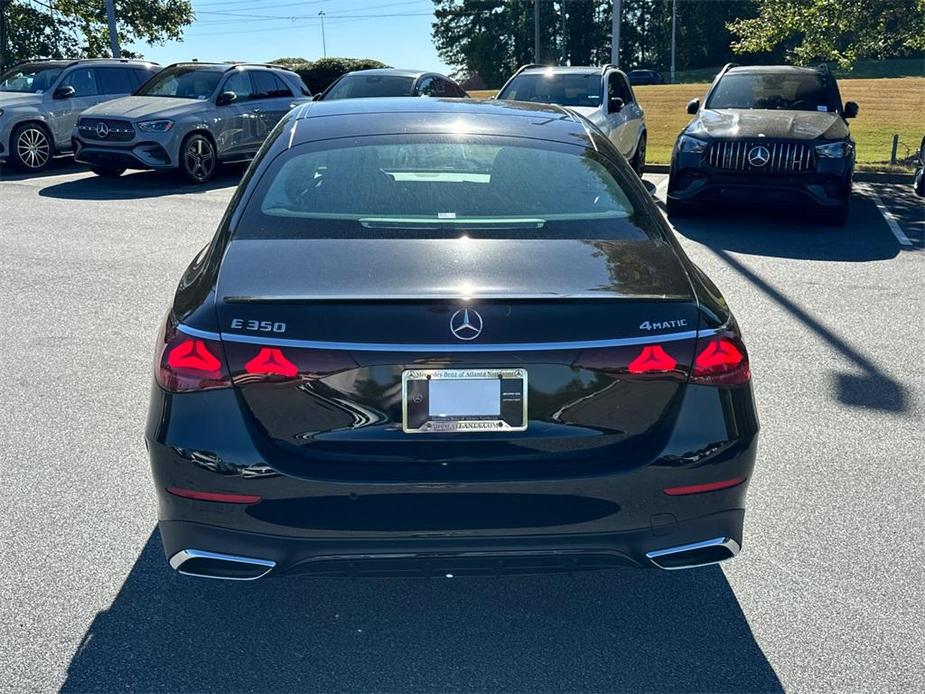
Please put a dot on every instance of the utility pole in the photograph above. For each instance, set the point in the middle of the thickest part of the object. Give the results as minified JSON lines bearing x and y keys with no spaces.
{"x":4,"y":35}
{"x":536,"y":31}
{"x":615,"y":33}
{"x":674,"y":38}
{"x":564,"y":58}
{"x":113,"y":31}
{"x":324,"y":43}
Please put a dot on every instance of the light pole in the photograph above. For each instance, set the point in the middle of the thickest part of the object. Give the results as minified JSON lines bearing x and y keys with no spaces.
{"x":615,"y":34}
{"x":324,"y":45}
{"x":536,"y":31}
{"x":674,"y":23}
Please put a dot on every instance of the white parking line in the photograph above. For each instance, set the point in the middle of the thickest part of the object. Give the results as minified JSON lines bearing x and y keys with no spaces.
{"x":888,"y":216}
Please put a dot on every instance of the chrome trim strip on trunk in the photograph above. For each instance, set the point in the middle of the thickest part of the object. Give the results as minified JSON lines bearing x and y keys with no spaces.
{"x":184,"y":555}
{"x":268,"y":341}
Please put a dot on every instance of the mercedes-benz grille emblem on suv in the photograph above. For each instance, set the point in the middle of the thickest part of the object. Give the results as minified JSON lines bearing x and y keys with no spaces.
{"x":759,"y":155}
{"x":102,"y":131}
{"x":466,"y":324}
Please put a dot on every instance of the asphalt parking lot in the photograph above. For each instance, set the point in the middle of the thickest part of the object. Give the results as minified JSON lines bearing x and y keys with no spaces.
{"x":827,"y":594}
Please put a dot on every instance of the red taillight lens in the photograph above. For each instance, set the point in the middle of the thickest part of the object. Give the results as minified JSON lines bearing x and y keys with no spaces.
{"x":270,"y":360}
{"x":723,"y":361}
{"x":184,"y":363}
{"x":652,"y":358}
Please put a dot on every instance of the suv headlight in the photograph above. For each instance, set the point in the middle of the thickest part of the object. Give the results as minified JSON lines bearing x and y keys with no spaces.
{"x":835,"y":150}
{"x":691,"y":144}
{"x":155,"y":126}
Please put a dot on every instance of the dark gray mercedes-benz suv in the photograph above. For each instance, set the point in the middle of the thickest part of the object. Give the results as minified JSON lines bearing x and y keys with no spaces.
{"x":773,"y":135}
{"x":189,"y":118}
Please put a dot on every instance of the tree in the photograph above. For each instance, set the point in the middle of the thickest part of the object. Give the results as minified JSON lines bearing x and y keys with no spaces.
{"x":836,"y":30}
{"x":492,"y":38}
{"x":78,"y":28}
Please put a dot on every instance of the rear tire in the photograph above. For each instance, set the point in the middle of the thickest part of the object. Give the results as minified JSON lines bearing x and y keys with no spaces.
{"x":30,"y":148}
{"x":107,"y":172}
{"x":198,"y":159}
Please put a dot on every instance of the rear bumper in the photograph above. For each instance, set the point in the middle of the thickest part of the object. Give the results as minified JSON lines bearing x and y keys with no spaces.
{"x":603,"y":513}
{"x":440,"y":556}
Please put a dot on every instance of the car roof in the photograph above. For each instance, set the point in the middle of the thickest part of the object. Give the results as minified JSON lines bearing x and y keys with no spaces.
{"x":399,"y":72}
{"x":565,"y":69}
{"x":396,"y":115}
{"x":224,"y":67}
{"x":772,"y":69}
{"x":96,"y":61}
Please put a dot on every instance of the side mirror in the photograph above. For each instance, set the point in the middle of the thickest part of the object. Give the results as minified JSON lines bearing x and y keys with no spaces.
{"x":851,"y":109}
{"x":65,"y":92}
{"x":615,"y":105}
{"x":226,"y":98}
{"x":693,"y":106}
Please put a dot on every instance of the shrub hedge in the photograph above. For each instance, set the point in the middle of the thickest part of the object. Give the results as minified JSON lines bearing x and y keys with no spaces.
{"x":318,"y":74}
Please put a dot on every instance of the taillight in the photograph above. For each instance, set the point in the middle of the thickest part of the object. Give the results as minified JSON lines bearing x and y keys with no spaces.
{"x":652,"y":359}
{"x":184,"y":363}
{"x":270,"y":360}
{"x":723,"y":360}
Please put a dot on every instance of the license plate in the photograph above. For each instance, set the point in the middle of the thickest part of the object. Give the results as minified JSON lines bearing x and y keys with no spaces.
{"x":464,"y":400}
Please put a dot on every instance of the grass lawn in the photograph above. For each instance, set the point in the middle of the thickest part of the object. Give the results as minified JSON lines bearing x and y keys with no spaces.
{"x":887,"y":106}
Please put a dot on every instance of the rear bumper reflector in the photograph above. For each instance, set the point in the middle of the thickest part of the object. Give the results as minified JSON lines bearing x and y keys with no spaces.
{"x":220,"y":497}
{"x":701,"y":488}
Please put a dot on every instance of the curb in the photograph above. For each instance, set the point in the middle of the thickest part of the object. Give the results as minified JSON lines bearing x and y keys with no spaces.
{"x":860,"y":176}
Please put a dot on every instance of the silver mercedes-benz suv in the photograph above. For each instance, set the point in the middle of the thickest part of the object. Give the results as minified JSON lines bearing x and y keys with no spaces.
{"x":189,"y":118}
{"x":41,"y":100}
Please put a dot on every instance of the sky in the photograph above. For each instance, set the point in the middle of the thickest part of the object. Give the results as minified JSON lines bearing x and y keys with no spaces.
{"x":397,"y":32}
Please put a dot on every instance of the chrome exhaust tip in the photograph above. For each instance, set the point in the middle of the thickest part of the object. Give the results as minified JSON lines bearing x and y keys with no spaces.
{"x":228,"y":567}
{"x":695,"y":554}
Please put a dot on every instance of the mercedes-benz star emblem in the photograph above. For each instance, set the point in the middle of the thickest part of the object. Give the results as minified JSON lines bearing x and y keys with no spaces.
{"x":759,"y":155}
{"x":466,"y":324}
{"x":102,"y":130}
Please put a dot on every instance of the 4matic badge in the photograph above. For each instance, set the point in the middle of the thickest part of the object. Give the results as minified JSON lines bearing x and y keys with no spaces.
{"x":663,"y":325}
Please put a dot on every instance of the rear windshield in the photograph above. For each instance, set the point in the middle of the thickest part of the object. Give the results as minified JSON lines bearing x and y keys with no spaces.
{"x":365,"y":86}
{"x":786,"y":91}
{"x":553,"y":88}
{"x":182,"y":83}
{"x":437,"y":186}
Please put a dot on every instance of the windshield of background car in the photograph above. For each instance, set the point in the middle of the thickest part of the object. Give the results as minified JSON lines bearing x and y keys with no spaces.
{"x":552,"y":88}
{"x":440,"y":186}
{"x":182,"y":83}
{"x":777,"y":91}
{"x":364,"y":86}
{"x":30,"y":79}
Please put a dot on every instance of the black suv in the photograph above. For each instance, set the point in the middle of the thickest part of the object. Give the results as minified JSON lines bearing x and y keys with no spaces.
{"x":776,"y":135}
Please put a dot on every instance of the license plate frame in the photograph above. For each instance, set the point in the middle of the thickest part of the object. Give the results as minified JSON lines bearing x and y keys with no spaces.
{"x":415,"y":401}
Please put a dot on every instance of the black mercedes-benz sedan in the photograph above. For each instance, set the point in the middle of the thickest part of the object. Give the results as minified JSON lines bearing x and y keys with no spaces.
{"x":441,"y":338}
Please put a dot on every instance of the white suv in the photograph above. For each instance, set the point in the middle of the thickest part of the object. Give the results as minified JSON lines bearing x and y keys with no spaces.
{"x":603,"y":95}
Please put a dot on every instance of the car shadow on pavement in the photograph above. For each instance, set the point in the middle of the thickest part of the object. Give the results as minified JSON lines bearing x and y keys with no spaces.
{"x":789,"y":234}
{"x":603,"y":631}
{"x":139,"y":184}
{"x":57,"y":167}
{"x":867,"y":237}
